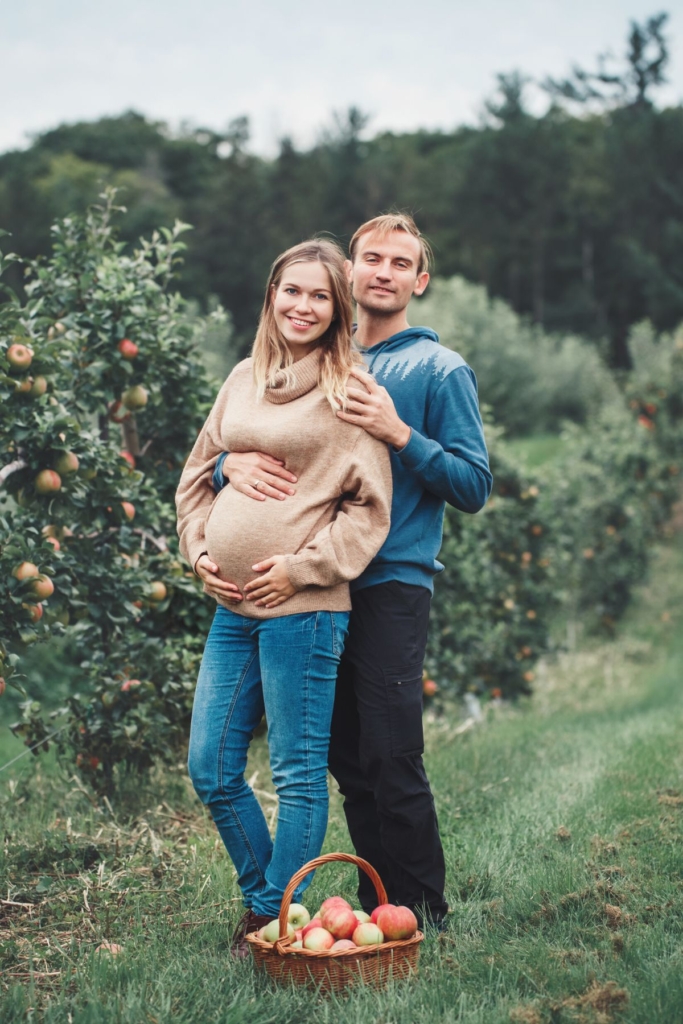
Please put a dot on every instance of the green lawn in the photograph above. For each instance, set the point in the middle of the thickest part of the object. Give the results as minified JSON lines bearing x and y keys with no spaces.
{"x":562,"y":820}
{"x":536,"y":449}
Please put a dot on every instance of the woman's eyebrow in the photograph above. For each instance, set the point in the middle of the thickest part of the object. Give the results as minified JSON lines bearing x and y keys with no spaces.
{"x":292,"y":284}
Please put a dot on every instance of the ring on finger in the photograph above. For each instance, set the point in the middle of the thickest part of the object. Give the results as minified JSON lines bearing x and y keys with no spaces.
{"x":257,"y":484}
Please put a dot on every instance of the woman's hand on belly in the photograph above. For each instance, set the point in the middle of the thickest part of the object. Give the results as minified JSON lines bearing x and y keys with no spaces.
{"x":208,"y":573}
{"x":273,"y":588}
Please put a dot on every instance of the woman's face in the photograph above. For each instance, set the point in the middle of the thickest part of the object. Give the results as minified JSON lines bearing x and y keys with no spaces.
{"x":303,"y":306}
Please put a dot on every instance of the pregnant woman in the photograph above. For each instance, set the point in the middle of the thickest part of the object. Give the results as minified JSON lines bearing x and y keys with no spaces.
{"x":280,"y":570}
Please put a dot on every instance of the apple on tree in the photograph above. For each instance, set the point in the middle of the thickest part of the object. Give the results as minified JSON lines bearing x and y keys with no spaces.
{"x":48,"y":482}
{"x":42,"y":587}
{"x":135,"y":397}
{"x":26,"y":571}
{"x":19,"y":356}
{"x":67,"y":463}
{"x":128,"y":348}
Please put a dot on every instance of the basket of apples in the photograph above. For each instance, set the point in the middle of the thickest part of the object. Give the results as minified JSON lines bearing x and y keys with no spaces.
{"x":339,"y":946}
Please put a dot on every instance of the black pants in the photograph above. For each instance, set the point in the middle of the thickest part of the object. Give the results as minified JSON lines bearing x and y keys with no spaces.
{"x":376,"y":748}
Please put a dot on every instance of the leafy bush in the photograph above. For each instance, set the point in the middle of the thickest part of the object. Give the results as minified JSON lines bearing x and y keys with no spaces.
{"x":104,"y":538}
{"x":532,"y":381}
{"x":495,"y":599}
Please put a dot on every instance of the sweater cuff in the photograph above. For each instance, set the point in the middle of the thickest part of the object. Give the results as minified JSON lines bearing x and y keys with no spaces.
{"x":299,"y":571}
{"x":415,"y":452}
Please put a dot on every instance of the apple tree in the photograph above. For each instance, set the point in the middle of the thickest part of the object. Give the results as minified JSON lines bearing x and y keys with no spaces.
{"x":102,"y":392}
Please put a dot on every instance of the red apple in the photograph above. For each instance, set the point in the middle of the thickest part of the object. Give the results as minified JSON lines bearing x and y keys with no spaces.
{"x":397,"y":923}
{"x":332,"y":900}
{"x":23,"y":385}
{"x":25,"y":571}
{"x":34,"y":610}
{"x":318,"y":939}
{"x":67,"y":463}
{"x":130,"y":459}
{"x":3,"y":686}
{"x":375,"y":914}
{"x":93,"y":762}
{"x":343,"y":944}
{"x":19,"y":356}
{"x":55,"y":543}
{"x":368,"y":935}
{"x":48,"y":482}
{"x":129,"y":509}
{"x":157,"y":591}
{"x":135,"y":397}
{"x":315,"y":923}
{"x":42,"y":587}
{"x":429,"y":687}
{"x":128,"y":348}
{"x":128,"y":684}
{"x":339,"y":920}
{"x":39,"y":387}
{"x":117,"y":412}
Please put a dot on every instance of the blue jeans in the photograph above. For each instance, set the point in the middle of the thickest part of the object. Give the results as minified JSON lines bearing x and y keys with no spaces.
{"x":287,"y":667}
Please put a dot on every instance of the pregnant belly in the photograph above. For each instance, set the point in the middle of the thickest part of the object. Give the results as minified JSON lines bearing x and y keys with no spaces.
{"x":241,"y":532}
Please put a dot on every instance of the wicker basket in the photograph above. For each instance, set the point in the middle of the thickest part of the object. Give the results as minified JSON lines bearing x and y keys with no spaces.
{"x":331,"y":971}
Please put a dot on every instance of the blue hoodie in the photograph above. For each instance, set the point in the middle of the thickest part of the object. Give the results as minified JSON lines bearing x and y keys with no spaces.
{"x":445,"y":460}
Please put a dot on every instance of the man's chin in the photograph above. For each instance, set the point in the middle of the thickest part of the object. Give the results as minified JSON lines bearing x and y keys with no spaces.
{"x":378,"y":308}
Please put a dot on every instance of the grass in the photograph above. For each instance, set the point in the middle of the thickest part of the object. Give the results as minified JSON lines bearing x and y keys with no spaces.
{"x":562,"y":821}
{"x":537,"y":449}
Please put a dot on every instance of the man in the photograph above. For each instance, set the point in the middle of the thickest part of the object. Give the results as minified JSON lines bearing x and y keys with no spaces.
{"x":422,"y":401}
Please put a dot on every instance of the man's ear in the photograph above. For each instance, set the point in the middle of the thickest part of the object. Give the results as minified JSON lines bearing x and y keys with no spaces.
{"x":348,"y":267}
{"x":421,"y":283}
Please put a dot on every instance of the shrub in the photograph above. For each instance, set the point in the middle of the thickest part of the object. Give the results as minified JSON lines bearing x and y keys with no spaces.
{"x":532,"y":381}
{"x":495,"y":599}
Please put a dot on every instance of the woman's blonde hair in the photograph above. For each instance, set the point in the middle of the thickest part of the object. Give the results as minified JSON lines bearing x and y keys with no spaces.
{"x":270,"y":353}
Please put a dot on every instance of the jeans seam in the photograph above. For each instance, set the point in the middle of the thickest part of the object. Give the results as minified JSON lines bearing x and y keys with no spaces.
{"x":309,"y":822}
{"x":221,"y":749}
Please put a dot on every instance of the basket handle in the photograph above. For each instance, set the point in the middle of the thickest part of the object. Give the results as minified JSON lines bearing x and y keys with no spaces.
{"x":327,"y":858}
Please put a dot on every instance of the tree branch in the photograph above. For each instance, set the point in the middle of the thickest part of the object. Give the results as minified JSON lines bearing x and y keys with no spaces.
{"x":12,"y":467}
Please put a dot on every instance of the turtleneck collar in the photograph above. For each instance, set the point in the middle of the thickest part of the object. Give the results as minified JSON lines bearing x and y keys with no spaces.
{"x":305,"y":373}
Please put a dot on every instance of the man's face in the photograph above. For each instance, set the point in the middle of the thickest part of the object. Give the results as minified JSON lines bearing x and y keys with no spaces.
{"x":383,"y":275}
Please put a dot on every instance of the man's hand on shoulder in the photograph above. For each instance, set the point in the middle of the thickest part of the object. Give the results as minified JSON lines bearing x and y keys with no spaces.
{"x":258,"y":475}
{"x":374,"y":410}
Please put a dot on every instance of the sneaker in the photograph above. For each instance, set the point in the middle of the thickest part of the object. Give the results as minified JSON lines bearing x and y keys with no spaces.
{"x":249,"y":922}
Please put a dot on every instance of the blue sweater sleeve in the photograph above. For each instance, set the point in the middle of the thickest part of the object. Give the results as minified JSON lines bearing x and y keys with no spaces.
{"x":452,"y":462}
{"x":218,"y":481}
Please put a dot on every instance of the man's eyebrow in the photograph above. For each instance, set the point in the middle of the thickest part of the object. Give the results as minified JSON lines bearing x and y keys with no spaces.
{"x":404,"y":259}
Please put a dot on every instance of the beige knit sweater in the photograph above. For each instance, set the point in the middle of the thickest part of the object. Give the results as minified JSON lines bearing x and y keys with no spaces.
{"x":330,"y":529}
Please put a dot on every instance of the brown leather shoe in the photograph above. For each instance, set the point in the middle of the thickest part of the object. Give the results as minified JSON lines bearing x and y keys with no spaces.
{"x":249,"y":922}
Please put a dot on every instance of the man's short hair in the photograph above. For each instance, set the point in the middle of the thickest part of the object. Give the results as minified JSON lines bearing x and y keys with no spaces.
{"x":384,"y":225}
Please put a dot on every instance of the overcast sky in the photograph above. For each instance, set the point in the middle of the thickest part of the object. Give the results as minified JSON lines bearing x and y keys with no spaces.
{"x":288,"y":63}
